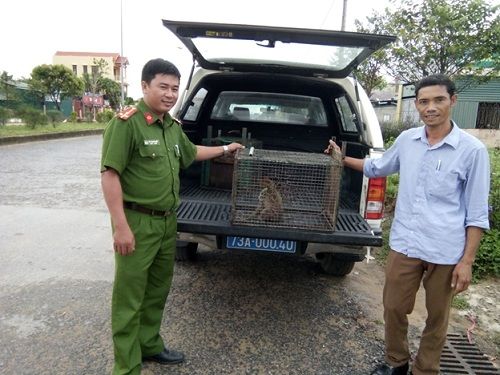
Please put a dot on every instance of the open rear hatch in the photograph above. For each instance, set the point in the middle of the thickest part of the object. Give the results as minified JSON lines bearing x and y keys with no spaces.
{"x":307,"y":52}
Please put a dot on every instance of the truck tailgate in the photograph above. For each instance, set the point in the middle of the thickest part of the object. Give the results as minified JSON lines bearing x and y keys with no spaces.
{"x":207,"y":211}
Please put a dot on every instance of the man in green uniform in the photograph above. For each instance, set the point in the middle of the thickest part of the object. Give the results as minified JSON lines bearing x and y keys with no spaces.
{"x":143,"y":149}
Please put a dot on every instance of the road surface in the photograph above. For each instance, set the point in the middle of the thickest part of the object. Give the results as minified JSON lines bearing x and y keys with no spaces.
{"x":229,"y":312}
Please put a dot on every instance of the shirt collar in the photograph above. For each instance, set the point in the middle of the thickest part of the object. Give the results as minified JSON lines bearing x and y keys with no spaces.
{"x":167,"y":120}
{"x":452,"y":138}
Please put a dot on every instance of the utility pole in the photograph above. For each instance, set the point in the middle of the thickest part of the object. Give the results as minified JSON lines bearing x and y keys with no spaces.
{"x":122,"y":98}
{"x":344,"y":12}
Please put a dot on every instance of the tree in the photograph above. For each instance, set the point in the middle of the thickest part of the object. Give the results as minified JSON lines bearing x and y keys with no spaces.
{"x":5,"y":114}
{"x":128,"y":100}
{"x":7,"y":87}
{"x":96,"y":84}
{"x":93,"y":80}
{"x":452,"y":37}
{"x":112,"y":90}
{"x":56,"y":81}
{"x":370,"y":71}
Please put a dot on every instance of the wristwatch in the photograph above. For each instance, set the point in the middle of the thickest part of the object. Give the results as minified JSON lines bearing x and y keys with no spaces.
{"x":225,"y":148}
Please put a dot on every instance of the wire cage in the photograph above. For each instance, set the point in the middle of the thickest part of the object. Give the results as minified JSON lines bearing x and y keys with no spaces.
{"x":283,"y":189}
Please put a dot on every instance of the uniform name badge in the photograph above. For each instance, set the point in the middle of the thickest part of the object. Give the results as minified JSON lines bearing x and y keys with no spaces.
{"x":151,"y":142}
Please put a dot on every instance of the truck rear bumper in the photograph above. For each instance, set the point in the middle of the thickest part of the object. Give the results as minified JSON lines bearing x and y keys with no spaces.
{"x":353,"y":253}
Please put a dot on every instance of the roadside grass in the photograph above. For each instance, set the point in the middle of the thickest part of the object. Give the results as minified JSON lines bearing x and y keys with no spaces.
{"x":67,"y":127}
{"x":459,"y":302}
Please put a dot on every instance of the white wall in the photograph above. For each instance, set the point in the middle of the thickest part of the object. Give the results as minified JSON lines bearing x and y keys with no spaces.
{"x":490,"y":137}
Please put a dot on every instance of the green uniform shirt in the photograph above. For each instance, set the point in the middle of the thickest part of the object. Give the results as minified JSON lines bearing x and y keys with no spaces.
{"x":147,"y":153}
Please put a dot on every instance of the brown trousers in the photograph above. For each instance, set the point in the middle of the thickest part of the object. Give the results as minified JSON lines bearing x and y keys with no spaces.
{"x":403,"y":277}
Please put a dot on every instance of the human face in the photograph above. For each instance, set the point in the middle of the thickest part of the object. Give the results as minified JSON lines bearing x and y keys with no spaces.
{"x":161,"y":93}
{"x":434,"y":105}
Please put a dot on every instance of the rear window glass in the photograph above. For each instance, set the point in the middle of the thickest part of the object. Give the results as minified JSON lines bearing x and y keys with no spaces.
{"x":195,"y":105}
{"x":269,"y":107}
{"x":347,"y":115}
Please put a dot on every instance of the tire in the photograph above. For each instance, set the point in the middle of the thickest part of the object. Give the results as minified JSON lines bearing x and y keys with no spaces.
{"x":186,"y":251}
{"x":334,"y":266}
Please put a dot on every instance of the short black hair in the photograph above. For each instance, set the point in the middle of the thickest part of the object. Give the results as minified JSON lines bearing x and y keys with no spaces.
{"x":436,"y":80}
{"x":158,"y":66}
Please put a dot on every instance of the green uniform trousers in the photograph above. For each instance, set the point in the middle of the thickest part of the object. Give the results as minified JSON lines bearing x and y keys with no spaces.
{"x":141,"y":286}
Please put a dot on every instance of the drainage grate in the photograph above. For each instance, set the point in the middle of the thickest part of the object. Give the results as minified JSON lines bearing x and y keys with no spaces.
{"x":461,"y":357}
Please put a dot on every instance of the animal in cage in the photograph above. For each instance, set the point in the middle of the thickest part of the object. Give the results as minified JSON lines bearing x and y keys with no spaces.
{"x":284,"y":189}
{"x":270,"y":206}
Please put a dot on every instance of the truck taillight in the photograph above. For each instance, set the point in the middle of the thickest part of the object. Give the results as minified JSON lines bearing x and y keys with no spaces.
{"x":375,"y":198}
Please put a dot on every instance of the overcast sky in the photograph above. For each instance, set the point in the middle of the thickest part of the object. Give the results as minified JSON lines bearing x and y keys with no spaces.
{"x":31,"y":31}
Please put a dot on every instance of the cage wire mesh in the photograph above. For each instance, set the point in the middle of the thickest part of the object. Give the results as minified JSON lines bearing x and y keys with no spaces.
{"x":283,"y":189}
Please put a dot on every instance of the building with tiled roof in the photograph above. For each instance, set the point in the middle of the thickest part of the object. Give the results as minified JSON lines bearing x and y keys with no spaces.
{"x":83,"y":62}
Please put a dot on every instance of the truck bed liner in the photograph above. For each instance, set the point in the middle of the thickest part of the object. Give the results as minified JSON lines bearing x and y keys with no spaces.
{"x":207,"y":211}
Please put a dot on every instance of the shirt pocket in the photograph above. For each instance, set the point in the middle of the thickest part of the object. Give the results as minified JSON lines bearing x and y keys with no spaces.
{"x":153,"y":152}
{"x":444,"y":185}
{"x":153,"y":160}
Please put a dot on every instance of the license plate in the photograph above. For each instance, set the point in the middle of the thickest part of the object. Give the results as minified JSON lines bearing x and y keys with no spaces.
{"x":262,"y":244}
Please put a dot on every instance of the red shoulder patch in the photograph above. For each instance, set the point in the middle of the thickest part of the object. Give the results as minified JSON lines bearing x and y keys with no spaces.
{"x":127,"y":112}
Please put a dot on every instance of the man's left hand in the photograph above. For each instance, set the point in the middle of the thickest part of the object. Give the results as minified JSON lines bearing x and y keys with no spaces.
{"x":332,"y":146}
{"x":233,"y":147}
{"x":461,"y":277}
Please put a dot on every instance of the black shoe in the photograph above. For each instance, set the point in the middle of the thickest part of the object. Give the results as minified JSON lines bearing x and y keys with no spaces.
{"x":166,"y":357}
{"x":389,"y":370}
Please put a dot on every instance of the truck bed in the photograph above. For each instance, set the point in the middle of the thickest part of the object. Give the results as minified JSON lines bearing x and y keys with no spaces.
{"x":206,"y":210}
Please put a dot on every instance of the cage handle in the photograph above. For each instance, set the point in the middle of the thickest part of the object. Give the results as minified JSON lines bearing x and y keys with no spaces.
{"x":343,"y":147}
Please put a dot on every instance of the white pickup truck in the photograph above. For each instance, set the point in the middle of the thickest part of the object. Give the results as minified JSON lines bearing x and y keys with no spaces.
{"x":283,"y":89}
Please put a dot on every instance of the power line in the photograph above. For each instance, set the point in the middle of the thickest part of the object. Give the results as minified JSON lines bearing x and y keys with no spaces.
{"x":327,"y":14}
{"x":344,"y":14}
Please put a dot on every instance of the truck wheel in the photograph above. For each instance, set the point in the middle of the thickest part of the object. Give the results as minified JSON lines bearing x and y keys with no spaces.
{"x":334,"y":266}
{"x":186,"y":251}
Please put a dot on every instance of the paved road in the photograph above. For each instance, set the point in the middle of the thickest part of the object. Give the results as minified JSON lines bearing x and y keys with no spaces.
{"x":231,"y":313}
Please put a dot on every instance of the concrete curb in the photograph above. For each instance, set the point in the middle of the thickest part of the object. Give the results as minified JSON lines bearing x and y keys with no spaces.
{"x":45,"y":137}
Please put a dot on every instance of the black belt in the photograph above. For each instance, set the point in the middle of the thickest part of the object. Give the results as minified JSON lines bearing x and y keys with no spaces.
{"x":145,"y":210}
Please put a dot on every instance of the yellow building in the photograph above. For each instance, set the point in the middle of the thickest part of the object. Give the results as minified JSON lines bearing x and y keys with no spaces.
{"x":83,"y":62}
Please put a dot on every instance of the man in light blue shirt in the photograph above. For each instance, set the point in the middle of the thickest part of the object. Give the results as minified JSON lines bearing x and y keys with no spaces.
{"x":441,"y":212}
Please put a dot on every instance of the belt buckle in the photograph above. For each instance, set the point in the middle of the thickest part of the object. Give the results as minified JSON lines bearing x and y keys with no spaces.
{"x":160,"y":213}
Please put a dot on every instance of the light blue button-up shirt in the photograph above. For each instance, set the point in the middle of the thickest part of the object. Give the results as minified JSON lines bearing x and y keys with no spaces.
{"x":442,"y":190}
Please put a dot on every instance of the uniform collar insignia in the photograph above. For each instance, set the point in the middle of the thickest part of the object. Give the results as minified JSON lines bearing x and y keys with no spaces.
{"x":149,"y":118}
